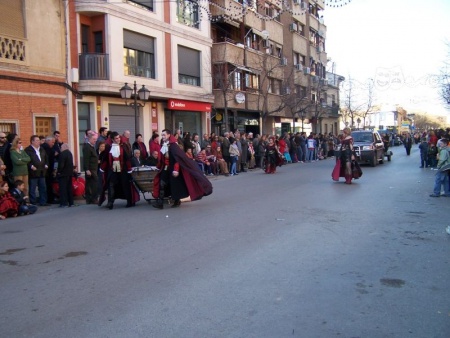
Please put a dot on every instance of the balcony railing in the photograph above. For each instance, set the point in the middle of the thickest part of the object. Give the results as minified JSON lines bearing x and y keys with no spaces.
{"x":94,"y":66}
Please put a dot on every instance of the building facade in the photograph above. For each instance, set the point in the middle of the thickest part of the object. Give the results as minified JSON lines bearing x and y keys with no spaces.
{"x":269,"y":65}
{"x":162,"y":45}
{"x":33,"y":89}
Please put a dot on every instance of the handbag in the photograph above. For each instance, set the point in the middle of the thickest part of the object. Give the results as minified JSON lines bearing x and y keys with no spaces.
{"x":356,"y":170}
{"x":335,"y":174}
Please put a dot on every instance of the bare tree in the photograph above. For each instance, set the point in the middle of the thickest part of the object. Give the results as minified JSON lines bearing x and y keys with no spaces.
{"x":368,"y":104}
{"x":274,"y":85}
{"x":444,"y":80}
{"x":425,"y":122}
{"x":352,"y":105}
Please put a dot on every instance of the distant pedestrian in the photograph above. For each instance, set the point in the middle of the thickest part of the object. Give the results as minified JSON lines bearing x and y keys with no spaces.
{"x":407,"y":142}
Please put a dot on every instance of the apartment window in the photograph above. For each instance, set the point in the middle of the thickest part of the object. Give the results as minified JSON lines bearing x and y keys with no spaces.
{"x":278,"y":52}
{"x":251,"y":81}
{"x":275,"y":86}
{"x":12,"y":20}
{"x":8,"y":127}
{"x":312,"y":36}
{"x":300,"y":91}
{"x":138,"y":54}
{"x":98,"y":39}
{"x":271,"y":11}
{"x":145,"y":4}
{"x":85,"y":39}
{"x":296,"y":58}
{"x":252,"y":41}
{"x":187,"y":13}
{"x":301,"y":28}
{"x":188,"y":66}
{"x":237,"y":80}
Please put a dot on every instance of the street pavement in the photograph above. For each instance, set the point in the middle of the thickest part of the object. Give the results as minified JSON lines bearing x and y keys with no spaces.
{"x":287,"y":255}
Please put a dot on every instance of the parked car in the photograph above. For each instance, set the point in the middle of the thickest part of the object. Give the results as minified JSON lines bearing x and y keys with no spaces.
{"x":368,"y":147}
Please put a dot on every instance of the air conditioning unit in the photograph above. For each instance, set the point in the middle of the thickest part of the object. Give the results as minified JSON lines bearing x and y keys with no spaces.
{"x":293,"y":27}
{"x":319,"y":49}
{"x":299,"y":67}
{"x":303,"y":6}
{"x":283,"y":61}
{"x":297,"y":2}
{"x":265,"y":43}
{"x":306,"y":70}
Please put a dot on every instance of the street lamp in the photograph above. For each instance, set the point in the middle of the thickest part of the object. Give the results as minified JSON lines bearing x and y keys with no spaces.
{"x":358,"y":120}
{"x":143,"y":94}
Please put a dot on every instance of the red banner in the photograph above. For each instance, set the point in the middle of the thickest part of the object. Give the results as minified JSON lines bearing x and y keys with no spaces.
{"x":189,"y":105}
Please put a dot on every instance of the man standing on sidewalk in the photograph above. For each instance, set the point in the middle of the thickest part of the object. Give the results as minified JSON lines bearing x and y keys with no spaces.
{"x":37,"y":170}
{"x":90,"y":167}
{"x":441,"y":177}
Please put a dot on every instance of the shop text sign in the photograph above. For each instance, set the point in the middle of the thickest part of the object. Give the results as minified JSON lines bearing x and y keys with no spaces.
{"x":189,"y":105}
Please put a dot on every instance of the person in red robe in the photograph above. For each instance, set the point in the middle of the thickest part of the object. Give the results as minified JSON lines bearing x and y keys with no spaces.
{"x":8,"y":204}
{"x":178,"y":175}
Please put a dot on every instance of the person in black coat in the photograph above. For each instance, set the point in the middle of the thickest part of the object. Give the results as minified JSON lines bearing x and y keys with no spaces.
{"x":37,"y":170}
{"x":64,"y":174}
{"x":407,"y":142}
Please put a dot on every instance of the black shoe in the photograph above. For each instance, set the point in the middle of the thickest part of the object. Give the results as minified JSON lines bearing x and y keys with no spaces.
{"x":110,"y":206}
{"x":176,"y":204}
{"x":158,"y":206}
{"x":101,"y":200}
{"x":129,"y":205}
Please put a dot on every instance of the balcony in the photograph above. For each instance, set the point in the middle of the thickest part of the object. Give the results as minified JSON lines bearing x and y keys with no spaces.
{"x":12,"y":50}
{"x":94,"y":66}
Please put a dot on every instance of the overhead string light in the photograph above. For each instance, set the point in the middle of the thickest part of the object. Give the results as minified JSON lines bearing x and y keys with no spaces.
{"x":337,"y":3}
{"x":236,"y":11}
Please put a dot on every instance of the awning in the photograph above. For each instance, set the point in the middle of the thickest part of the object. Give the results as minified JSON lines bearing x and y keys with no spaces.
{"x":259,"y":33}
{"x":246,"y":69}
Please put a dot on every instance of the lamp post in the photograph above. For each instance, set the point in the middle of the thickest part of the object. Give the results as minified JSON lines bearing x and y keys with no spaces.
{"x":358,"y":120}
{"x":126,"y":92}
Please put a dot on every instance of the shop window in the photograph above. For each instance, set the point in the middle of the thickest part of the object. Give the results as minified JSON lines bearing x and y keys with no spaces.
{"x":188,"y":66}
{"x":187,"y":13}
{"x":138,"y":54}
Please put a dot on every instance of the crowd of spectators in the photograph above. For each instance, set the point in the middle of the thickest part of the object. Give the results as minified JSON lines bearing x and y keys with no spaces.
{"x":48,"y":160}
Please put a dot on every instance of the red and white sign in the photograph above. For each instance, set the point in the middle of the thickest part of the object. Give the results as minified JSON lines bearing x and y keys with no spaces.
{"x":189,"y":105}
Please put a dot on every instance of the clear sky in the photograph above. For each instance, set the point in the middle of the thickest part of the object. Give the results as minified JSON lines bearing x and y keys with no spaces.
{"x":398,"y":43}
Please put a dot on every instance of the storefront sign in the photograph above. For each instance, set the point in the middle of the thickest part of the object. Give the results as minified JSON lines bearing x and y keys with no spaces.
{"x":189,"y":105}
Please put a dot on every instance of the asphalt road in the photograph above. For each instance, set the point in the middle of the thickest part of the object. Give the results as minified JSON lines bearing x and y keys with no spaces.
{"x":287,"y":255}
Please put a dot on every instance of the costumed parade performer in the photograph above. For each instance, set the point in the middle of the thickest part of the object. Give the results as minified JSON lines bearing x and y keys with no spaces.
{"x":117,"y":166}
{"x":178,"y":176}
